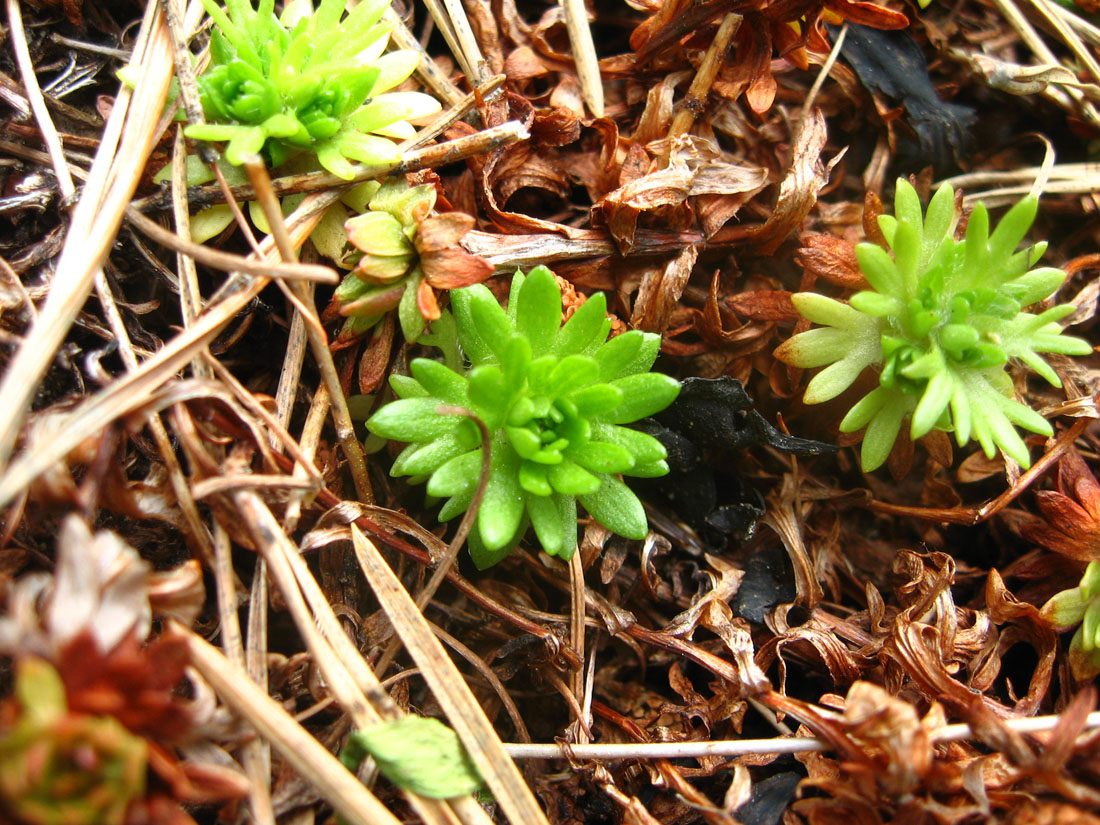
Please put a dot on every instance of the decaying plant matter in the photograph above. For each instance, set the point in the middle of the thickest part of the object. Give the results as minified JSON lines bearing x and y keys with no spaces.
{"x":431,"y":523}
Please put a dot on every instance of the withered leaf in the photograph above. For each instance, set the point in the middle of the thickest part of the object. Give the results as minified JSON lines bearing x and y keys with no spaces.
{"x":891,"y":62}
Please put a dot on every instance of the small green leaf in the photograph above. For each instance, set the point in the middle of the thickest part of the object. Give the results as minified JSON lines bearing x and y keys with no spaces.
{"x":546,"y":519}
{"x":601,"y":457}
{"x":571,"y":480}
{"x":440,"y":381}
{"x":880,"y":271}
{"x":1065,"y":609}
{"x":457,"y":476}
{"x":1012,"y":228}
{"x":210,"y":222}
{"x":570,"y":374}
{"x":418,"y":754}
{"x":596,"y":400}
{"x":627,"y":354}
{"x":503,"y":505}
{"x":538,"y":310}
{"x":882,"y":432}
{"x":616,"y":507}
{"x":532,"y":478}
{"x":526,"y":442}
{"x":586,"y":330}
{"x":642,"y":446}
{"x":378,"y":233}
{"x":875,"y":304}
{"x":411,"y":419}
{"x":405,"y":386}
{"x":408,"y":311}
{"x":423,"y":459}
{"x":489,"y":323}
{"x":643,"y":395}
{"x":651,"y":469}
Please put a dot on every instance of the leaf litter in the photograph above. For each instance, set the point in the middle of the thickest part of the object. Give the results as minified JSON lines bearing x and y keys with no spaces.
{"x":780,"y":593}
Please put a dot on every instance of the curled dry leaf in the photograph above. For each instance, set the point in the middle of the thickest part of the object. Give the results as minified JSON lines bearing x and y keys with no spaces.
{"x":1071,"y":524}
{"x":695,"y":167}
{"x":806,"y":176}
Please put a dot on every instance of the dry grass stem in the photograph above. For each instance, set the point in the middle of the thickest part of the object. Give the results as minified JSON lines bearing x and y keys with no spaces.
{"x":434,"y":77}
{"x":582,"y":730}
{"x":450,"y":689}
{"x":94,"y":225}
{"x":37,"y":101}
{"x":346,"y":794}
{"x":752,"y":747}
{"x":584,"y":53}
{"x":228,"y":261}
{"x":132,"y":390}
{"x":695,"y":101}
{"x":348,"y":676}
{"x":315,"y":332}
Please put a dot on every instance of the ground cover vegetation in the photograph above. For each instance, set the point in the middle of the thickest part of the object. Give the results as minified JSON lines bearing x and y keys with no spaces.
{"x":495,"y":411}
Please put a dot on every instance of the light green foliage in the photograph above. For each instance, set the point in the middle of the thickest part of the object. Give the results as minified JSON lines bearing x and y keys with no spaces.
{"x":1080,"y":605}
{"x":400,"y":254}
{"x":319,"y":84}
{"x":553,"y":398}
{"x":940,"y":322}
{"x":417,"y":754}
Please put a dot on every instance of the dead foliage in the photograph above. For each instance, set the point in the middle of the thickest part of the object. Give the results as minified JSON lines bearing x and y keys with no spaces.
{"x":182,"y":467}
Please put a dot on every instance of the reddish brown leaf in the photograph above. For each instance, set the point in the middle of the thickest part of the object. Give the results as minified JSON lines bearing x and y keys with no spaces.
{"x":763,"y":305}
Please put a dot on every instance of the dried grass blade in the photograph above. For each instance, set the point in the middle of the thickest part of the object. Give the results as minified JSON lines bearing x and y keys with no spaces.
{"x":95,"y":223}
{"x":348,"y":675}
{"x":37,"y":101}
{"x":338,"y":786}
{"x":449,"y":688}
{"x":132,"y":390}
{"x":584,"y":53}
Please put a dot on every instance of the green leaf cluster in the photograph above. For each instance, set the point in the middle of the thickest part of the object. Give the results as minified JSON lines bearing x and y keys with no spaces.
{"x":939,"y":324}
{"x":553,"y":397}
{"x":1080,"y":606}
{"x":387,"y":274}
{"x":316,"y":85}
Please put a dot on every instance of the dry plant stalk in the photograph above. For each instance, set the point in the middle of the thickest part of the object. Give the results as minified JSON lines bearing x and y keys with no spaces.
{"x":95,"y":222}
{"x":450,"y":689}
{"x":338,"y":786}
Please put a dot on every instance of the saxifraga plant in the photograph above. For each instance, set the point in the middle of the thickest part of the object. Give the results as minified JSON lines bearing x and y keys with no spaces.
{"x":319,"y":85}
{"x":553,"y":398}
{"x":939,"y":324}
{"x":1079,"y":606}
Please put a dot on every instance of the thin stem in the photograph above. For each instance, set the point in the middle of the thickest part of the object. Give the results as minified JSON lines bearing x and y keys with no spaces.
{"x":345,"y":429}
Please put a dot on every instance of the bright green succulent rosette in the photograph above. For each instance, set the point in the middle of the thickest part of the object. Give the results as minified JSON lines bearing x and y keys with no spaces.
{"x":1079,"y":606}
{"x":320,"y":84}
{"x":941,"y":321}
{"x":553,"y":397}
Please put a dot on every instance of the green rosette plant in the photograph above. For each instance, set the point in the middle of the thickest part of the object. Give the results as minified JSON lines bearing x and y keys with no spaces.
{"x":939,"y":324}
{"x":1079,"y":606}
{"x":406,"y":254}
{"x":553,"y":398}
{"x":321,"y":84}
